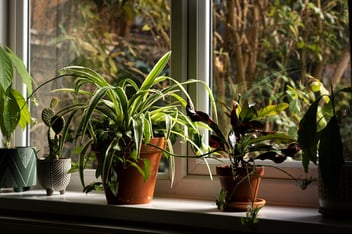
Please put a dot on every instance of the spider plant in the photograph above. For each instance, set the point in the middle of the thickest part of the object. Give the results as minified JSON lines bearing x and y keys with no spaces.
{"x":120,"y":118}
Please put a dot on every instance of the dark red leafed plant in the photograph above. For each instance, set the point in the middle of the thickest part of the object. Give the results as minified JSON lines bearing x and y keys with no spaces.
{"x":247,"y":138}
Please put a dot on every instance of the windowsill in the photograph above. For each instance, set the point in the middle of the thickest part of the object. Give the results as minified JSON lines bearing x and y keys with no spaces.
{"x":176,"y":214}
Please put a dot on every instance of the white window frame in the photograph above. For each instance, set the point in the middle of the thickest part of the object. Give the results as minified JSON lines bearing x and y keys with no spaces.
{"x":191,"y":58}
{"x":14,"y":32}
{"x":192,"y":26}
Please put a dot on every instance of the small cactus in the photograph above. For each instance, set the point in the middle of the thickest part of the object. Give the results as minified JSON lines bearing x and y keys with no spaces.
{"x":55,"y":124}
{"x":47,"y":114}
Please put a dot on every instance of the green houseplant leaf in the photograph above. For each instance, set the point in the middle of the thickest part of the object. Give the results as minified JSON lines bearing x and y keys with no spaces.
{"x":308,"y":135}
{"x":6,"y":70}
{"x":10,"y":111}
{"x":270,"y":110}
{"x":22,"y":71}
{"x":13,"y":105}
{"x":320,"y":139}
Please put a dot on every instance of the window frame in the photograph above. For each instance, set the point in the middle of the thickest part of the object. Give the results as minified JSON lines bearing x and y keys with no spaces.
{"x":192,"y":58}
{"x":192,"y":178}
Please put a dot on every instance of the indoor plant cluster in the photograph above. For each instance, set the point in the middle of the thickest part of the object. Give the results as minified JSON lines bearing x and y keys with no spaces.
{"x":117,"y":122}
{"x":321,"y":140}
{"x":246,"y":140}
{"x":17,"y":162}
{"x":54,"y":166}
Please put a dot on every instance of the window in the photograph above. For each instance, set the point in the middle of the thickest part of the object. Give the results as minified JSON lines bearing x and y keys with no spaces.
{"x":259,"y":26}
{"x":191,"y":43}
{"x":116,"y":38}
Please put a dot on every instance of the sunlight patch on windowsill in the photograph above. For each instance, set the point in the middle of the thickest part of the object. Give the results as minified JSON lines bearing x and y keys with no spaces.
{"x":174,"y":211}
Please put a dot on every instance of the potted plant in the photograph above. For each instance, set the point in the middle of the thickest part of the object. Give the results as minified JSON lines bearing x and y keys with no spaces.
{"x":119,"y":124}
{"x":321,"y":141}
{"x":17,"y":163}
{"x":52,"y":168}
{"x":245,"y":141}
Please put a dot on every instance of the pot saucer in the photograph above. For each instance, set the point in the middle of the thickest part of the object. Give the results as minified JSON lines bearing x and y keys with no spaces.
{"x":243,"y":206}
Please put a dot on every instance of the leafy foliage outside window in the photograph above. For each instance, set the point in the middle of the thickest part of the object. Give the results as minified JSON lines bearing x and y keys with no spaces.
{"x":273,"y":50}
{"x":117,"y":38}
{"x":266,"y":51}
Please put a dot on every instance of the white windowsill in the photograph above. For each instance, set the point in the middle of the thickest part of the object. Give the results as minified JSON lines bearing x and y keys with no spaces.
{"x":162,"y":213}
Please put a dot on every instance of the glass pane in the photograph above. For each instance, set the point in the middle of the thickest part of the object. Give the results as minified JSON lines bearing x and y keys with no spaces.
{"x":269,"y":52}
{"x":116,"y":38}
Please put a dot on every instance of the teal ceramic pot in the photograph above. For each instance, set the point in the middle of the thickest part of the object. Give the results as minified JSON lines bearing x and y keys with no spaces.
{"x":18,"y":169}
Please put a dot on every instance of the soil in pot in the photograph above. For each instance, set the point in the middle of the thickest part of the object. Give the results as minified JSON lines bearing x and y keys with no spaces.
{"x":242,"y":190}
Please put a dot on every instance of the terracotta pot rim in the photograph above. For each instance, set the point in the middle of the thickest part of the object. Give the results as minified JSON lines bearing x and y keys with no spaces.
{"x":225,"y":170}
{"x":147,"y":149}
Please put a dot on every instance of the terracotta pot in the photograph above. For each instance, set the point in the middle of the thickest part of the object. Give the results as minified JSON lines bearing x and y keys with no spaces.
{"x":336,"y":201}
{"x":242,"y":190}
{"x":132,"y":188}
{"x":53,"y":176}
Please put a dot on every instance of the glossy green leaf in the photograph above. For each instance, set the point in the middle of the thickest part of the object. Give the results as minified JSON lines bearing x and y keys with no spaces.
{"x":308,"y":135}
{"x":22,"y":71}
{"x":146,"y":163}
{"x":9,"y":117}
{"x":271,"y":110}
{"x":138,"y":127}
{"x":16,"y":98}
{"x":157,"y":69}
{"x":6,"y":70}
{"x":147,"y":127}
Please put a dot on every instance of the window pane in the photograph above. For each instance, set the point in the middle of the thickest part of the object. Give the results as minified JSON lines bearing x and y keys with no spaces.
{"x":116,"y":38}
{"x":270,"y":51}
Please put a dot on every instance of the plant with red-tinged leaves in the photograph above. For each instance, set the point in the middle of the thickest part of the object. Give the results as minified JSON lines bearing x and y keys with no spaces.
{"x":247,"y":139}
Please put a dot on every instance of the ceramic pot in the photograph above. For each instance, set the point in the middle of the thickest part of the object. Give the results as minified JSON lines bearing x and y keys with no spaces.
{"x":53,"y":176}
{"x":336,"y":200}
{"x":18,"y":169}
{"x":132,"y":189}
{"x":242,"y":190}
